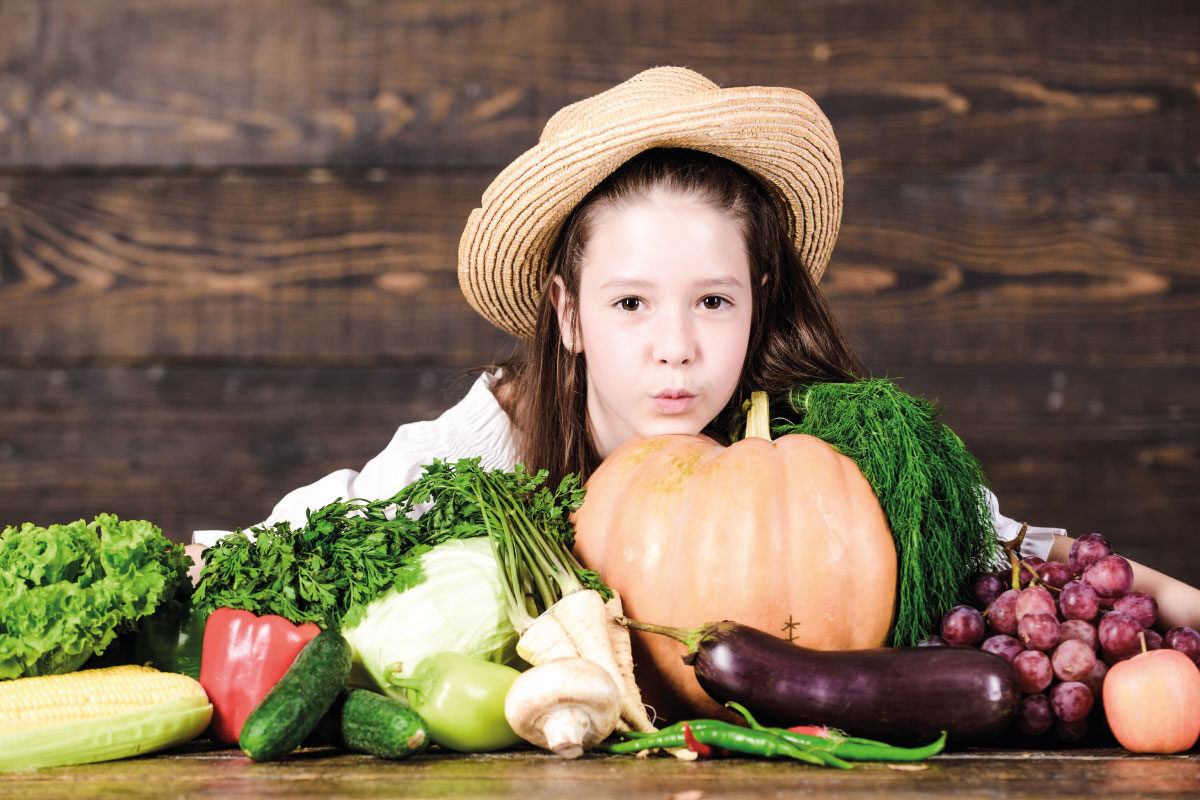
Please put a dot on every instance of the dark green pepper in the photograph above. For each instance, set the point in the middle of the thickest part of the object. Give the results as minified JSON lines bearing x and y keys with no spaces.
{"x":171,"y":639}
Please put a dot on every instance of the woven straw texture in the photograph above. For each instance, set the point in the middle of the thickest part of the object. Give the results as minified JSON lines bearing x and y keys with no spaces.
{"x":777,"y":133}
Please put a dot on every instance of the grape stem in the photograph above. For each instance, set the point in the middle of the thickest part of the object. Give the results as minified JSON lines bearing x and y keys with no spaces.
{"x":1013,"y":549}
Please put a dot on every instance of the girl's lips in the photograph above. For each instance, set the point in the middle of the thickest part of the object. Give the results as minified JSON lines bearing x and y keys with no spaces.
{"x":674,"y":405}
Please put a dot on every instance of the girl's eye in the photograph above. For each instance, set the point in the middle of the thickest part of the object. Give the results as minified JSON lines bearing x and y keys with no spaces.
{"x":629,"y":303}
{"x":714,"y":303}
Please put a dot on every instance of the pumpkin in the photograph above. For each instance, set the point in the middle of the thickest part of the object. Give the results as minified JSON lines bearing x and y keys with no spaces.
{"x":786,"y":536}
{"x":1152,"y":702}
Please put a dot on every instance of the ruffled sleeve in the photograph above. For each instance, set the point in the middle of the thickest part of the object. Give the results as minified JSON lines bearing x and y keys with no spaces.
{"x":1037,"y":541}
{"x":476,"y":426}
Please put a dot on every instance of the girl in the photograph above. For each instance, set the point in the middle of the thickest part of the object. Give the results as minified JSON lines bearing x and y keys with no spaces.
{"x":658,"y":251}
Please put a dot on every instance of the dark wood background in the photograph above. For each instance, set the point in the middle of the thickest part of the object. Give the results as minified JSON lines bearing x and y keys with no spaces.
{"x":228,"y":231}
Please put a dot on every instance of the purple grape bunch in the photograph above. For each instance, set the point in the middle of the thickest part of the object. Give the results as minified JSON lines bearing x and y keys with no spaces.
{"x":1062,"y":626}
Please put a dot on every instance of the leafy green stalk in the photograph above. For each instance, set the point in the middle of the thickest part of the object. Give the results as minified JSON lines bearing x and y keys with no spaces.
{"x":930,"y":487}
{"x":531,"y":534}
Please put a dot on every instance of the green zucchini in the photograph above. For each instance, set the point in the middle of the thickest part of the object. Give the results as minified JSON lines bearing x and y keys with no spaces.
{"x":368,"y":722}
{"x":294,"y":706}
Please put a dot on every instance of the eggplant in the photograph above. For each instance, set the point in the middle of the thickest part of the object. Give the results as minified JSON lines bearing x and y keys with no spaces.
{"x":887,"y":693}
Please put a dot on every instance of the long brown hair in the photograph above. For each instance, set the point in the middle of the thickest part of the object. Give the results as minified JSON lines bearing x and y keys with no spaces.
{"x":793,"y":337}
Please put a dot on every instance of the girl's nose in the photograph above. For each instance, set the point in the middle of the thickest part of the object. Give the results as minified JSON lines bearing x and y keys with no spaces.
{"x":675,"y":342}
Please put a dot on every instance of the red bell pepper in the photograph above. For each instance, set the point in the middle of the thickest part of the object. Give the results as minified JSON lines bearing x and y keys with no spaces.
{"x":244,"y":656}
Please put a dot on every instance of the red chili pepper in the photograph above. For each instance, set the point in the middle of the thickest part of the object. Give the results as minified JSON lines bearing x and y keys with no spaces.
{"x":811,"y":730}
{"x":244,"y":656}
{"x":695,"y":746}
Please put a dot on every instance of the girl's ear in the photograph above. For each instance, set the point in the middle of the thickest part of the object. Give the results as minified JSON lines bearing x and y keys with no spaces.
{"x":565,"y":310}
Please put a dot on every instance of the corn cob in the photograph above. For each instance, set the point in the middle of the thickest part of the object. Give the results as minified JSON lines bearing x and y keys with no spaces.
{"x":97,"y":715}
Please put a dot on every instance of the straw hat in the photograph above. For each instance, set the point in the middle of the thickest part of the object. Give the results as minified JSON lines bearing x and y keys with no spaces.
{"x":778,"y":134}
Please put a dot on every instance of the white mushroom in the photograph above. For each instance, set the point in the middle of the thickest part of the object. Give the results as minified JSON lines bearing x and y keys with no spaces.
{"x":565,"y":705}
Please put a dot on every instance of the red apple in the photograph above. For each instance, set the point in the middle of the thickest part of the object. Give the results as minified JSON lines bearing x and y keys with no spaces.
{"x":1152,"y":702}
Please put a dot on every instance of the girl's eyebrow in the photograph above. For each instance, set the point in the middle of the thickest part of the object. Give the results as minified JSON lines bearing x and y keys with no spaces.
{"x":728,"y":282}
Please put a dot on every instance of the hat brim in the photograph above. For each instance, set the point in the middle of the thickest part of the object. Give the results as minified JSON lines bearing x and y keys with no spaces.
{"x":776,"y":133}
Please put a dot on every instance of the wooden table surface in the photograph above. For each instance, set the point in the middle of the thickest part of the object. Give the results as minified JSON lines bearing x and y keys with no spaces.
{"x":202,"y":770}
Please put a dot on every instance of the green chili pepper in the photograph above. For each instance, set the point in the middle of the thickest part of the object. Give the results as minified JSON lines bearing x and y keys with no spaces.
{"x":664,"y":739}
{"x":848,"y":747}
{"x":834,"y":750}
{"x":857,"y":751}
{"x":727,"y":736}
{"x":763,"y":743}
{"x":672,"y":736}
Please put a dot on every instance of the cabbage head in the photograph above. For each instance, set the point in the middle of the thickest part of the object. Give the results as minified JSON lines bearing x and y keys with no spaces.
{"x":453,"y":601}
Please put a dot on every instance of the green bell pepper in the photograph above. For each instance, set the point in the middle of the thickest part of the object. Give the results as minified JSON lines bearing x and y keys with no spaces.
{"x":461,"y":699}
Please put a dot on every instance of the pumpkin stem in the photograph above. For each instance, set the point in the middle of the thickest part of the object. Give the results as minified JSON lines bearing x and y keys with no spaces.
{"x":758,"y":419}
{"x":690,"y":637}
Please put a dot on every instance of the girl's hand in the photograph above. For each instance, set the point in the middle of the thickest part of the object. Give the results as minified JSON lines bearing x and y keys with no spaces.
{"x":194,"y":550}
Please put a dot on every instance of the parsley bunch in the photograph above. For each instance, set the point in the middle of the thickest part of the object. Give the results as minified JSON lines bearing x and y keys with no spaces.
{"x":349,"y":551}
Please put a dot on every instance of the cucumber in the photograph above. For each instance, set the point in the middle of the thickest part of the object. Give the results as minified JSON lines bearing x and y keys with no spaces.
{"x":294,"y":706}
{"x":368,"y":722}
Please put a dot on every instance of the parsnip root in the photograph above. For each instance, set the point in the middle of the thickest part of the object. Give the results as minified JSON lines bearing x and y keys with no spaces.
{"x":584,"y":618}
{"x":545,"y":640}
{"x":633,"y":710}
{"x":631,"y":696}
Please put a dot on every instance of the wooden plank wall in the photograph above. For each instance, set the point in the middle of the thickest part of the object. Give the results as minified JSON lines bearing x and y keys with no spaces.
{"x":228,"y":231}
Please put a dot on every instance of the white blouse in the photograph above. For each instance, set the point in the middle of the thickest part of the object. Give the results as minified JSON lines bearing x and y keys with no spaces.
{"x":478,"y":426}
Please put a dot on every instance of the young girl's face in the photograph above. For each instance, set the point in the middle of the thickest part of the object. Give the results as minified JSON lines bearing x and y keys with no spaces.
{"x":664,"y":316}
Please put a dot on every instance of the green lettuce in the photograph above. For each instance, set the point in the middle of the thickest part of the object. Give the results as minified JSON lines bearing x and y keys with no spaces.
{"x":67,"y":591}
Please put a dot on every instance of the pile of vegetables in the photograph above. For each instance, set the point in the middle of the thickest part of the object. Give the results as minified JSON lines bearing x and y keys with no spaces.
{"x":431,"y":588}
{"x":456,"y":613}
{"x":438,"y":594}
